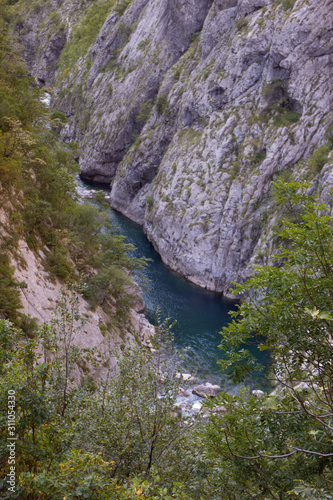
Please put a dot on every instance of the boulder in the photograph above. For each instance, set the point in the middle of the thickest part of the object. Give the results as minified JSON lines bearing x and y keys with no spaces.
{"x":186,"y":377}
{"x":258,"y":394}
{"x":206,"y":390}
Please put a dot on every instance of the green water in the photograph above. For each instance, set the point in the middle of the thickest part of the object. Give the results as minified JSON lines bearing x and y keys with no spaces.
{"x":200,"y":314}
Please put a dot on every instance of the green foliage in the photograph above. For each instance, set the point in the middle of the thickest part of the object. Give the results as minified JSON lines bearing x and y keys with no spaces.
{"x":286,"y":117}
{"x":259,"y":157}
{"x":17,"y":95}
{"x":10,"y":300}
{"x":113,"y":262}
{"x":144,"y":43}
{"x":121,"y":6}
{"x":119,"y":439}
{"x":125,"y":31}
{"x":144,"y":111}
{"x":161,"y":104}
{"x":58,"y":264}
{"x":274,"y":90}
{"x":85,"y":33}
{"x":80,"y":475}
{"x":149,"y":200}
{"x":287,"y":4}
{"x":281,"y":441}
{"x":241,"y":23}
{"x":177,"y":69}
{"x":43,"y":390}
{"x":58,"y":120}
{"x":318,"y":159}
{"x":135,"y":422}
{"x":8,"y":338}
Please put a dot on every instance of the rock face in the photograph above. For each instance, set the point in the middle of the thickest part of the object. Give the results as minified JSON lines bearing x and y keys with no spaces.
{"x":39,"y":300}
{"x":191,"y":109}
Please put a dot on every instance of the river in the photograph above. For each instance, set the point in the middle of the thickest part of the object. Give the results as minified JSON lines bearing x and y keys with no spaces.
{"x":199,"y":314}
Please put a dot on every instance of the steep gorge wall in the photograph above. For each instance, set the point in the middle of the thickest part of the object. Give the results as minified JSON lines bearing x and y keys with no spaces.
{"x":190,"y":109}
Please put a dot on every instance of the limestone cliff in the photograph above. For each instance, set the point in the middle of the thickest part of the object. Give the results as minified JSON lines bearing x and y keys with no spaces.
{"x":190,"y":109}
{"x":40,"y":300}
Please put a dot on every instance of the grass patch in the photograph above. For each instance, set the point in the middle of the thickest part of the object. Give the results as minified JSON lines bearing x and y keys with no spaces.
{"x":287,"y":4}
{"x":144,"y":111}
{"x":121,"y":6}
{"x":190,"y":135}
{"x":318,"y":159}
{"x":161,"y":104}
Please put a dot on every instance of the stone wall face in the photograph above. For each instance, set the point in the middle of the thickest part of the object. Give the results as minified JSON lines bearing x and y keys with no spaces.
{"x":191,"y":109}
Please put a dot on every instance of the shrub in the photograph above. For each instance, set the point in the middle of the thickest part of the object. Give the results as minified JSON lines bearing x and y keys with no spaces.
{"x":144,"y":111}
{"x":318,"y":159}
{"x":149,"y":200}
{"x":161,"y":104}
{"x":10,"y":299}
{"x":121,"y":6}
{"x":286,"y":117}
{"x":58,"y":263}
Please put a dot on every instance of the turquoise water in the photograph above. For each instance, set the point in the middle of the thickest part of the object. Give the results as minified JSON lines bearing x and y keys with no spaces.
{"x":200,"y":314}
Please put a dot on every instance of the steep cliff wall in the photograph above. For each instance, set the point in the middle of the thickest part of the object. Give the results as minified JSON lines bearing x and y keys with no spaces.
{"x":190,"y":109}
{"x":40,"y":298}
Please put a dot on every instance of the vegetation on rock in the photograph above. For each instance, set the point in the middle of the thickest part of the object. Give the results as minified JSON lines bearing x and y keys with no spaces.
{"x":37,"y":189}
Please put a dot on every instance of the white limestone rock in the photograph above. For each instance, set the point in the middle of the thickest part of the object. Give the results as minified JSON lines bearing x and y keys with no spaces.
{"x":206,"y":389}
{"x":174,"y":104}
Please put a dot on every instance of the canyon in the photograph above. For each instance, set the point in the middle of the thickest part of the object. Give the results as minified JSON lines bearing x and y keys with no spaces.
{"x":190,"y":110}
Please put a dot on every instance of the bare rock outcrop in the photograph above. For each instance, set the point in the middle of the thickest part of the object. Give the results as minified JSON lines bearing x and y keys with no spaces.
{"x":191,"y":110}
{"x":40,"y":301}
{"x":253,"y":98}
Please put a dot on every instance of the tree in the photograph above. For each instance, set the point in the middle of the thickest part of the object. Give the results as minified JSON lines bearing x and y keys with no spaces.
{"x":38,"y":373}
{"x":135,"y":421}
{"x":282,"y":445}
{"x":116,"y":438}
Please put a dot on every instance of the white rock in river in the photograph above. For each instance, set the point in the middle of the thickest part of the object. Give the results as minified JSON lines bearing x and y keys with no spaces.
{"x":187,"y":377}
{"x":206,"y":390}
{"x":258,"y":394}
{"x":197,"y":405}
